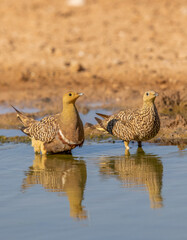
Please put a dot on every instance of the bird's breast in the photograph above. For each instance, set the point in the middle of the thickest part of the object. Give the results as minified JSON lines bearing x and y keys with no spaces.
{"x":147,"y":125}
{"x":66,"y":140}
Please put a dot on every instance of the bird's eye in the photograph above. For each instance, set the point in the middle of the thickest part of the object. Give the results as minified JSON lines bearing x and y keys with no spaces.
{"x":70,"y":94}
{"x":147,"y":94}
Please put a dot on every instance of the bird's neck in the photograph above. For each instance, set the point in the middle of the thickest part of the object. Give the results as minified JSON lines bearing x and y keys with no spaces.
{"x":69,"y":113}
{"x":148,"y":105}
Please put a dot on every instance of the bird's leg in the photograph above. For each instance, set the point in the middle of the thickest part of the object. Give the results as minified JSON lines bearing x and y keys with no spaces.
{"x":43,"y":150}
{"x":36,"y":145}
{"x":127,"y":153}
{"x":126,"y":145}
{"x":139,"y":144}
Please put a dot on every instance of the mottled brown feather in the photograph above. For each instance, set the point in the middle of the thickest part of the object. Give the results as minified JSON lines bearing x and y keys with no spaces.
{"x":56,"y":133}
{"x":139,"y":125}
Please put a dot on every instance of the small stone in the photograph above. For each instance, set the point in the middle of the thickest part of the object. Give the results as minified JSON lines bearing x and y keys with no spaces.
{"x":81,"y":53}
{"x":160,"y":57}
{"x":76,"y":3}
{"x":117,"y":62}
{"x":76,"y":67}
{"x":121,"y":34}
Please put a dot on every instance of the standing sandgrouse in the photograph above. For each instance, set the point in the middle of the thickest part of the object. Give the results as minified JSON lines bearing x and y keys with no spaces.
{"x":57,"y":133}
{"x":139,"y":125}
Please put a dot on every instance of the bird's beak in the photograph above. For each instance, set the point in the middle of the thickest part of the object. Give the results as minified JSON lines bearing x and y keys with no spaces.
{"x":156,"y":94}
{"x":78,"y":95}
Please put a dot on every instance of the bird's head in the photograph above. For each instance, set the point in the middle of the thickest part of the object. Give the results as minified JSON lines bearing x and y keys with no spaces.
{"x":71,"y":97}
{"x":149,"y":96}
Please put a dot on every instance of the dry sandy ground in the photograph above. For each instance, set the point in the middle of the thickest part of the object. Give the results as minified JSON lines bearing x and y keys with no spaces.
{"x":112,"y":50}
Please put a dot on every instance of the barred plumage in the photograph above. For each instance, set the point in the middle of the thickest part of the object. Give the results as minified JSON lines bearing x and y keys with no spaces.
{"x":139,"y":125}
{"x":46,"y":129}
{"x":56,"y":133}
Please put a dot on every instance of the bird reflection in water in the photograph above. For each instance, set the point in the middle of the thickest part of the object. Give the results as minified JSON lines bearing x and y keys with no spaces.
{"x":137,"y":170}
{"x":62,"y":174}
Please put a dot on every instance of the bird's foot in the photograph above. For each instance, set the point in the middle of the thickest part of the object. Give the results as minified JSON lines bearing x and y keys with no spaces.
{"x":126,"y":145}
{"x":127,"y":153}
{"x":139,"y":144}
{"x":37,"y":152}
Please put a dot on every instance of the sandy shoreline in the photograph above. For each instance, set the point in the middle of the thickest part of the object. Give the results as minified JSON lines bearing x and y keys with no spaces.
{"x":112,"y":51}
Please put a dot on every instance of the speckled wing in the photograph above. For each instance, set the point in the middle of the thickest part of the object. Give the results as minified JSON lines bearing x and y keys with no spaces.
{"x":44,"y":130}
{"x":121,"y":124}
{"x":127,"y":115}
{"x":121,"y":129}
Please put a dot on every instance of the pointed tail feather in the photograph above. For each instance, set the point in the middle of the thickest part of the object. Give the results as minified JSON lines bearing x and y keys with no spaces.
{"x":26,"y":121}
{"x":98,"y":120}
{"x":16,"y":110}
{"x":102,"y":128}
{"x":103,"y":115}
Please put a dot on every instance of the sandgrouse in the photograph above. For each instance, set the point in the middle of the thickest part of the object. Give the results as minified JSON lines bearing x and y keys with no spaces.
{"x":56,"y":133}
{"x":139,"y":125}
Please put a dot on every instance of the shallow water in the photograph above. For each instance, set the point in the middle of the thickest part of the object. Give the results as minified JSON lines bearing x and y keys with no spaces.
{"x":90,"y":116}
{"x":9,"y":109}
{"x":95,"y":193}
{"x":11,"y":132}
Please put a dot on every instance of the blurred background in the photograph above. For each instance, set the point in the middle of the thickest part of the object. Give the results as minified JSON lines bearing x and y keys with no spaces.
{"x":112,"y":50}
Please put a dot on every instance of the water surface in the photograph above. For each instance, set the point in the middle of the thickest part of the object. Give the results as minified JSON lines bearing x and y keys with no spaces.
{"x":98,"y":192}
{"x":9,"y":109}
